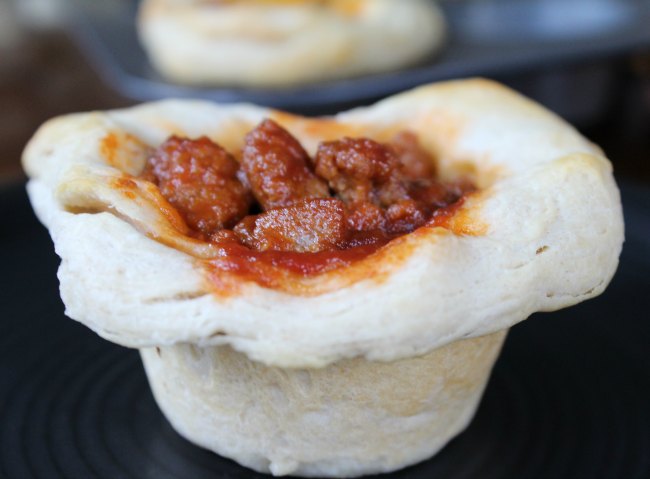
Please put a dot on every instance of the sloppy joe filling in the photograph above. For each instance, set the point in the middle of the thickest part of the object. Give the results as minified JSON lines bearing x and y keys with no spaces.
{"x":278,"y":211}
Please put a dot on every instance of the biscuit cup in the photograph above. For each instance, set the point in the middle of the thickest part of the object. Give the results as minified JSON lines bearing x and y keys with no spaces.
{"x":365,"y":368}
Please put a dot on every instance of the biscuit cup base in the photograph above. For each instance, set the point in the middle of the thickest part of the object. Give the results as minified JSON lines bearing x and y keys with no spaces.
{"x":350,"y":418}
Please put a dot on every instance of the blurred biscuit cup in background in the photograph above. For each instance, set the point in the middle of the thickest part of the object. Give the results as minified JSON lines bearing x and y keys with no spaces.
{"x":283,"y":43}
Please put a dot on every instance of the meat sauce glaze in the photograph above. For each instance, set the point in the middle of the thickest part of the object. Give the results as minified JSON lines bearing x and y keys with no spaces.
{"x":279,"y":211}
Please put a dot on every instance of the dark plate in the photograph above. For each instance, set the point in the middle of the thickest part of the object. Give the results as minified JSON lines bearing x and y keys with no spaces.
{"x":487,"y":37}
{"x":568,"y":398}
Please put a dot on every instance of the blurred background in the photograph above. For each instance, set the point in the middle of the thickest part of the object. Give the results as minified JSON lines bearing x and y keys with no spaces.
{"x":588,"y":60}
{"x":569,"y":396}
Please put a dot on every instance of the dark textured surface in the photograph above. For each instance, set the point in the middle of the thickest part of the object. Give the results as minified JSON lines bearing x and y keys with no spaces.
{"x":568,"y":398}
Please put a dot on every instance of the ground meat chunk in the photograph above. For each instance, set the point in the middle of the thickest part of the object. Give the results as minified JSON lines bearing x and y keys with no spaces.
{"x":310,"y":225}
{"x":199,"y":178}
{"x":415,"y":162}
{"x":404,"y":217}
{"x":361,"y":170}
{"x":433,"y":194}
{"x":277,"y":168}
{"x":366,"y":216}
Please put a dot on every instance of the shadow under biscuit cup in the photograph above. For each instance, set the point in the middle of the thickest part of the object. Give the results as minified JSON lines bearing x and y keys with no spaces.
{"x":364,"y":369}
